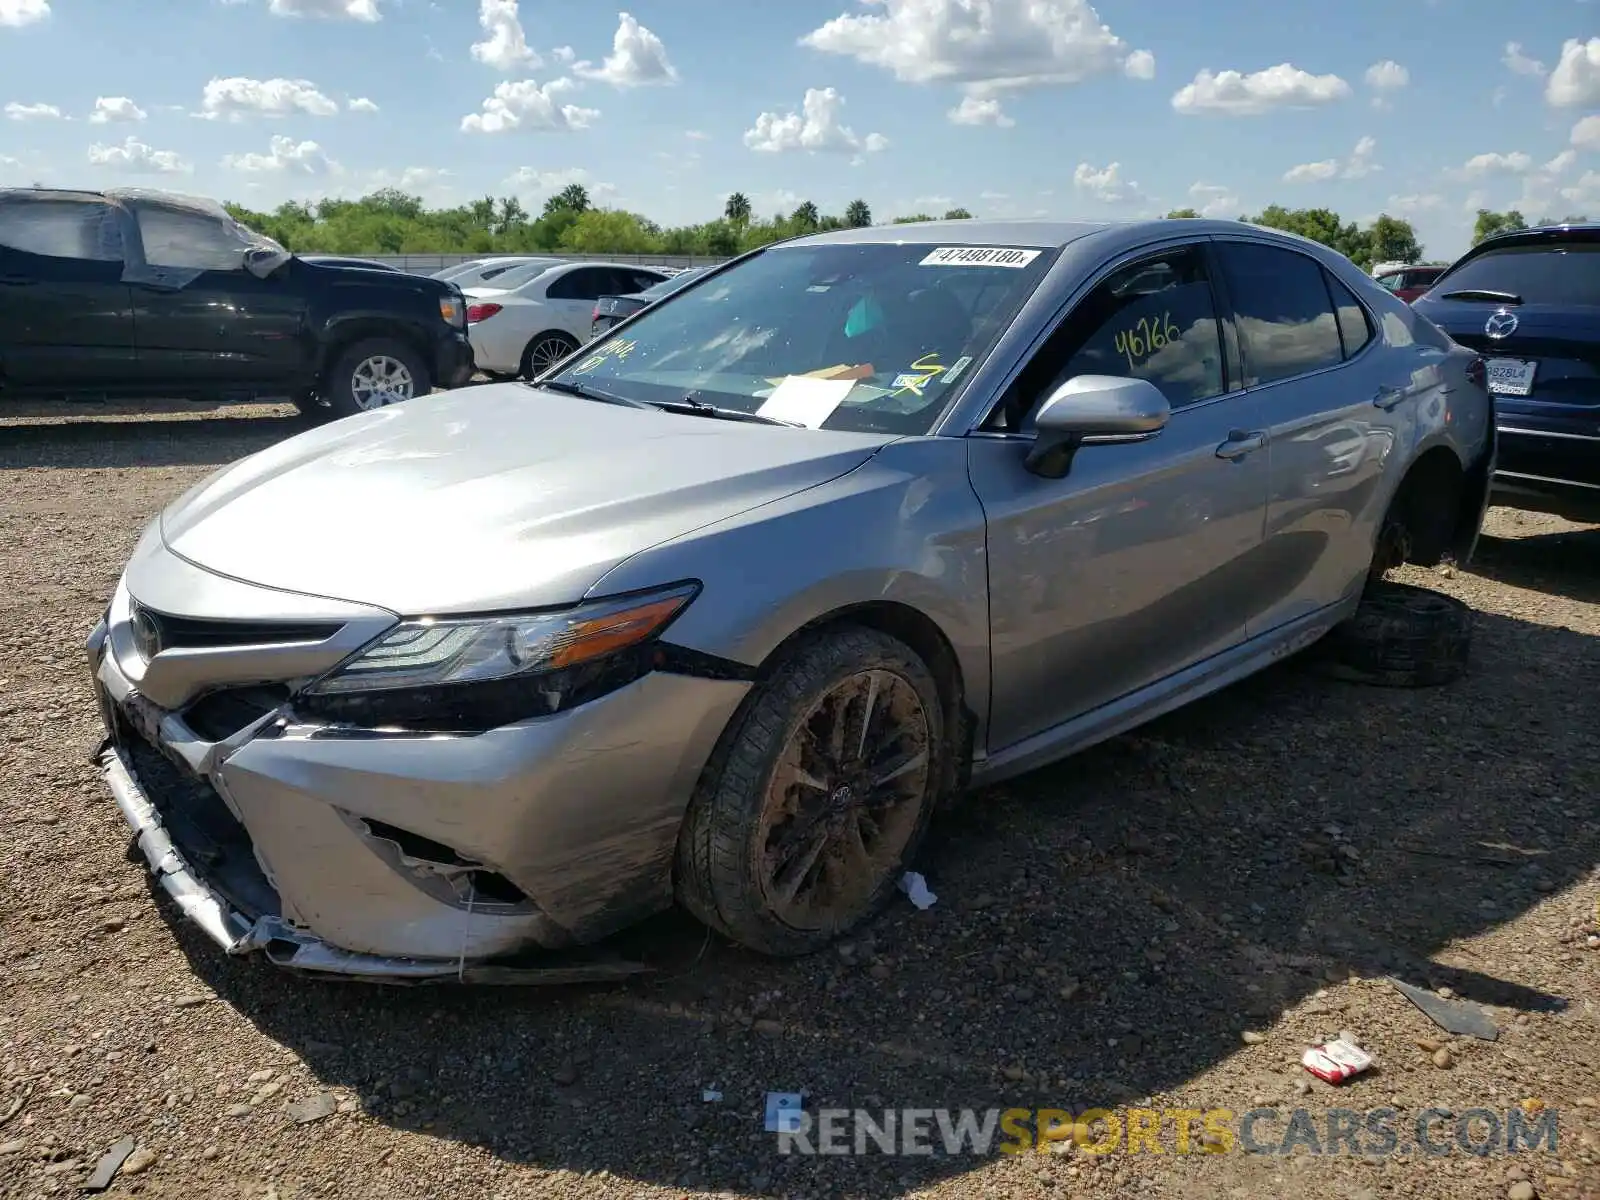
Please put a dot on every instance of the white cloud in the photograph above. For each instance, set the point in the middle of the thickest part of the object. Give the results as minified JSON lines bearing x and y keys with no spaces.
{"x":637,"y":59}
{"x":1212,"y":200}
{"x":136,"y":158}
{"x":1586,"y":133}
{"x":696,"y":135}
{"x":236,"y":97}
{"x":33,"y":112}
{"x":563,"y":54}
{"x":284,"y":156}
{"x":1426,"y":202}
{"x":815,"y":128}
{"x":1358,"y":166}
{"x":1519,"y":63}
{"x":355,"y":10}
{"x":115,"y":108}
{"x":527,"y":105}
{"x":1105,"y":184}
{"x":530,"y":181}
{"x":1584,"y":195}
{"x":993,"y":196}
{"x":1575,"y":81}
{"x":1312,"y":172}
{"x":23,"y":12}
{"x":1559,"y":164}
{"x":979,"y":110}
{"x":1387,"y":76}
{"x":362,"y":105}
{"x":506,"y":48}
{"x":1234,"y":94}
{"x":1141,"y":64}
{"x":1480,"y":165}
{"x":985,"y":44}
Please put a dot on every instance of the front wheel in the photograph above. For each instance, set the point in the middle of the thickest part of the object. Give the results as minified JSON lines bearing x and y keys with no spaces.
{"x":373,"y":374}
{"x":818,"y":795}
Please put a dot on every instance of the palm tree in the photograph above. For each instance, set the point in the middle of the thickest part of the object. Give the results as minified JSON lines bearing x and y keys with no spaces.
{"x":858,"y":215}
{"x":806,"y":216}
{"x":572,"y":198}
{"x":737,"y":209}
{"x":958,"y":214}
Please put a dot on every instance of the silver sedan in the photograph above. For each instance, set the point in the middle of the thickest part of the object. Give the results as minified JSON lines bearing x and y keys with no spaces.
{"x":722,"y":608}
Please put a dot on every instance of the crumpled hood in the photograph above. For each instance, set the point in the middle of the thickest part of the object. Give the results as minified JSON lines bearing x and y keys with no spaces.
{"x":488,"y":498}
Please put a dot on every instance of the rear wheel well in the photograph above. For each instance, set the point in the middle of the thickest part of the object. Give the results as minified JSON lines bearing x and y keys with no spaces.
{"x":1420,"y":526}
{"x":918,"y":631}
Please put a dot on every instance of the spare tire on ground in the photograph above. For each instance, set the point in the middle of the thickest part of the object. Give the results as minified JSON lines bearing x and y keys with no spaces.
{"x":1400,"y":636}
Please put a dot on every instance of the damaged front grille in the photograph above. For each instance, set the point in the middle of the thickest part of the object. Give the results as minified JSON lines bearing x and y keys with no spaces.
{"x":202,"y":828}
{"x":219,"y":715}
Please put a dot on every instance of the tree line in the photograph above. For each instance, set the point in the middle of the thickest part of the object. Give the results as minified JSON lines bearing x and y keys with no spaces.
{"x":392,"y":221}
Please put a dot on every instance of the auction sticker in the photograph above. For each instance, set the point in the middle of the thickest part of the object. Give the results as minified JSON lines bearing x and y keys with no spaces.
{"x":979,"y":256}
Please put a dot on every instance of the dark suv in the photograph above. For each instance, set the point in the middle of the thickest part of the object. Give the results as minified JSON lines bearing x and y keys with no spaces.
{"x":1529,"y":302}
{"x":143,"y":294}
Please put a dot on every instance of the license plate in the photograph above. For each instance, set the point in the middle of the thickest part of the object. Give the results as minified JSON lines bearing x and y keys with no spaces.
{"x":1511,"y":376}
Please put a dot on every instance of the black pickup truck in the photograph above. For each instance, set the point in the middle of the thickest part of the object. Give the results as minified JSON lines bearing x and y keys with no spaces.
{"x":137,"y":294}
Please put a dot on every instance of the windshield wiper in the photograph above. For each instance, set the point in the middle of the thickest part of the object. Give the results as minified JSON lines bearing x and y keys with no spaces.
{"x":584,"y":391}
{"x":1483,"y":294}
{"x":699,"y":408}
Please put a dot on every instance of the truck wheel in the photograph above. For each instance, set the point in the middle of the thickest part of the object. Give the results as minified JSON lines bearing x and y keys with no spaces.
{"x":373,"y":374}
{"x":544,"y":352}
{"x":1400,"y":636}
{"x":818,"y":794}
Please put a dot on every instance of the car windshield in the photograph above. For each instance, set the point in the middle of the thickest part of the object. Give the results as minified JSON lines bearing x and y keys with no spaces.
{"x":866,"y":337}
{"x":517,"y":274}
{"x":1539,"y":272}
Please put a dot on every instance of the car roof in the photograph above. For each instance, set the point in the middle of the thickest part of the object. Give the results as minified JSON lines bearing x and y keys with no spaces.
{"x":1045,"y":234}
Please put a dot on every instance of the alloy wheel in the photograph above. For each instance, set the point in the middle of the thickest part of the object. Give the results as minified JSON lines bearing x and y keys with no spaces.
{"x":545,"y":354}
{"x":379,"y":381}
{"x":844,"y":800}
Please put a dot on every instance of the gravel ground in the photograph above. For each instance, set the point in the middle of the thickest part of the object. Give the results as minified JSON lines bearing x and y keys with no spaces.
{"x":1174,"y":916}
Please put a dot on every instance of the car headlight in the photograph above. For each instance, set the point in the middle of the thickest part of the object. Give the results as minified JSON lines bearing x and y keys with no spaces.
{"x":434,"y":652}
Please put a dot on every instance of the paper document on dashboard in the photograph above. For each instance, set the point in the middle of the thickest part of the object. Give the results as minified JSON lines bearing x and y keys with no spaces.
{"x":806,"y":400}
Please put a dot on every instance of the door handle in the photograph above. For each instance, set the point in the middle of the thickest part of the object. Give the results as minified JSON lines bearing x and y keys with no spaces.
{"x":1389,"y":398}
{"x":1241,"y":443}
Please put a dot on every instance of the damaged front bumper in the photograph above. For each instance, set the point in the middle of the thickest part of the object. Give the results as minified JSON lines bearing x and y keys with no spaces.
{"x":280,"y":942}
{"x":329,"y":852}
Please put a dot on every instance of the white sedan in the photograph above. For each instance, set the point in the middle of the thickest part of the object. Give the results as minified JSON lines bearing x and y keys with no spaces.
{"x":479,"y":271}
{"x":537,"y":315}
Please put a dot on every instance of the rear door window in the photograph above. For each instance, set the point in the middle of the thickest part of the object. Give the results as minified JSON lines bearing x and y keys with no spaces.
{"x":1355,"y":330}
{"x":83,"y":230}
{"x":1287,"y":325}
{"x":1540,"y":273}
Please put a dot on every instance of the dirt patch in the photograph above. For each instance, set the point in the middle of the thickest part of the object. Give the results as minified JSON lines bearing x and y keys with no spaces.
{"x":1106,"y":931}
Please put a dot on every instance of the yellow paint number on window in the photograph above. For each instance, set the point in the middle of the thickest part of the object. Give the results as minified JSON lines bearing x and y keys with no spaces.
{"x":1139,"y":342}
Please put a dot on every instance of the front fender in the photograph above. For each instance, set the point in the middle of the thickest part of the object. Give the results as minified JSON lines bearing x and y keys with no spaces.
{"x":904,"y":528}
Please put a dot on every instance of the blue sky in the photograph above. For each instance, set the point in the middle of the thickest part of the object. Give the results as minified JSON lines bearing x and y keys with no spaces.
{"x":1422,"y":108}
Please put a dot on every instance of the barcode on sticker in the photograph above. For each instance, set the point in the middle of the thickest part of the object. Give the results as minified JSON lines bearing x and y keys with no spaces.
{"x":979,"y":256}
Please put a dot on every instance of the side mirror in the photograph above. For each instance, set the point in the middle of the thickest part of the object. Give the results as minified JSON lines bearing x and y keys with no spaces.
{"x":261,"y":262}
{"x":1094,"y":410}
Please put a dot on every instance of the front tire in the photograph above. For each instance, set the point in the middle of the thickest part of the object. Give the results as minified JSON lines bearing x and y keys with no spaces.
{"x":818,"y":795}
{"x":373,"y":374}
